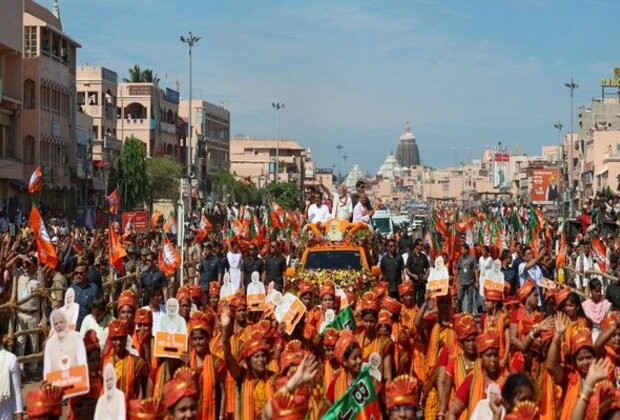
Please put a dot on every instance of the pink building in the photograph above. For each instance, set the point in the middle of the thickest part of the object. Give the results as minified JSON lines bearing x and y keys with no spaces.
{"x":48,"y":117}
{"x":11,"y":167}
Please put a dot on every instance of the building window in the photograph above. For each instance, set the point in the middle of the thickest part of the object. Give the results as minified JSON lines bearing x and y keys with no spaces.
{"x":81,"y":98}
{"x":30,"y":41}
{"x":29,"y":94}
{"x":29,"y":150}
{"x":93,"y":98}
{"x":95,"y":132}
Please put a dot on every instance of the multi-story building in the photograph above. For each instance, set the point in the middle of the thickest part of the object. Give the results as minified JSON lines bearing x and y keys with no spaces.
{"x":11,"y":167}
{"x":210,"y":138}
{"x":83,"y":155}
{"x":49,"y":111}
{"x":150,"y":114}
{"x":255,"y":159}
{"x":96,"y":96}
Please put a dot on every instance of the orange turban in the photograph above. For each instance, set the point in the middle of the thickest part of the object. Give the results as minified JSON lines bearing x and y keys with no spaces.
{"x":385,"y":317}
{"x":493,"y":295}
{"x":486,"y":341}
{"x":214,"y":289}
{"x":127,"y":297}
{"x":345,"y":341}
{"x":195,"y":291}
{"x":186,"y":374}
{"x":561,"y":296}
{"x":117,"y":328}
{"x":147,"y":409}
{"x":200,"y":321}
{"x":582,"y":338}
{"x":238,"y":300}
{"x":327,"y":288}
{"x":291,"y":356}
{"x":610,"y":321}
{"x":381,"y":289}
{"x":287,"y":406}
{"x":510,"y":301}
{"x":253,"y":346}
{"x":525,"y":410}
{"x":551,"y":294}
{"x":369,"y":302}
{"x":46,"y":401}
{"x":306,"y":287}
{"x":391,"y":305}
{"x":183,"y":293}
{"x":144,"y":316}
{"x":604,"y":399}
{"x":405,"y":287}
{"x":401,"y":391}
{"x":525,"y":290}
{"x":464,"y":326}
{"x":176,"y":390}
{"x":330,"y":338}
{"x":91,"y":342}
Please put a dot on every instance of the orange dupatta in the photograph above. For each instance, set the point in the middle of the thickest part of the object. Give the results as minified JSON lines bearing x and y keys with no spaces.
{"x":573,"y":387}
{"x":254,"y":395}
{"x":127,"y":369}
{"x":328,"y":375}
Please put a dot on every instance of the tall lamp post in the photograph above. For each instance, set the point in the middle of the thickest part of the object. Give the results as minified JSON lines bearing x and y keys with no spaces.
{"x":572,"y":85}
{"x":190,"y":40}
{"x":559,"y":126}
{"x":339,"y":147}
{"x":277,"y":106}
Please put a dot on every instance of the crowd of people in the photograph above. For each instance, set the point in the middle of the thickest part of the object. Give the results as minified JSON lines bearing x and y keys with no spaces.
{"x":547,"y":345}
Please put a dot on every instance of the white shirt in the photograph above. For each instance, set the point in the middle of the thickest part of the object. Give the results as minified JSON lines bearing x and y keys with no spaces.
{"x":342,"y":209}
{"x":360,"y":214}
{"x":14,"y":404}
{"x":318,"y":214}
{"x":89,"y":323}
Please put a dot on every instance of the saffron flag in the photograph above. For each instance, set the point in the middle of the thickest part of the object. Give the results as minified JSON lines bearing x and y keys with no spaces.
{"x":114,"y":202}
{"x":171,"y":225}
{"x":115,"y":249}
{"x":360,"y":402}
{"x":168,"y":258}
{"x":203,"y":229}
{"x":155,"y":219}
{"x":36,"y":181}
{"x":599,"y":254}
{"x":45,"y":249}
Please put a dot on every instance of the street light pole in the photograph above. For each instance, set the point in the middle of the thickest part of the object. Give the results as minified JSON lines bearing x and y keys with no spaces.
{"x":190,"y":40}
{"x":339,"y":147}
{"x":572,"y":85}
{"x":277,"y":106}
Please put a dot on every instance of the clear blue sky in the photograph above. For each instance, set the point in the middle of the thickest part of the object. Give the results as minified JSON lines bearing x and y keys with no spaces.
{"x":464,"y":73}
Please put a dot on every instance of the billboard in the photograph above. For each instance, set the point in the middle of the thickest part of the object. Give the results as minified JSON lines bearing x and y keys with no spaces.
{"x":545,"y":186}
{"x":500,"y":170}
{"x":139,"y":220}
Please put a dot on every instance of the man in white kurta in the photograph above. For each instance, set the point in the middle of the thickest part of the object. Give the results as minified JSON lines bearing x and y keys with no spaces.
{"x":10,"y":385}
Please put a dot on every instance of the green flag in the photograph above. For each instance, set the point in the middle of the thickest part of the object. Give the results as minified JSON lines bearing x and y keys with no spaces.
{"x":359,"y":402}
{"x":344,"y":320}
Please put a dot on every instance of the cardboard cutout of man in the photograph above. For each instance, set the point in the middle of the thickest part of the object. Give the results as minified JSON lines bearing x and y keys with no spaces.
{"x":111,"y":405}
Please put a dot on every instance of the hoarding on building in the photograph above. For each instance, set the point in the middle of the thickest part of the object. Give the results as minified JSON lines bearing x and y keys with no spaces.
{"x":545,"y":186}
{"x":138,"y":220}
{"x":500,"y":170}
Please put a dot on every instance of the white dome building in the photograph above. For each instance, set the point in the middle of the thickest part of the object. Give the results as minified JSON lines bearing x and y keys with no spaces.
{"x":354,"y":176}
{"x":390,"y":169}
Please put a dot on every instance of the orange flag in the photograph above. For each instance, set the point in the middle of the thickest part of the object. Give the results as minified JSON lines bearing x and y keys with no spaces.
{"x":171,"y":225}
{"x":115,"y":249}
{"x":114,"y":202}
{"x":155,"y":218}
{"x":45,"y":249}
{"x":169,"y":259}
{"x":36,"y":181}
{"x":204,"y":229}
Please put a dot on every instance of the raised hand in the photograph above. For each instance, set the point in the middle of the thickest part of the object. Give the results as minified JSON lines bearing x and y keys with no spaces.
{"x":561,"y":323}
{"x":599,"y":369}
{"x":225,"y":318}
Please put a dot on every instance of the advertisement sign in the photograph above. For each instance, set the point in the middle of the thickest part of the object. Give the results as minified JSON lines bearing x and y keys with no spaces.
{"x":139,"y":220}
{"x":500,"y":169}
{"x":545,"y":186}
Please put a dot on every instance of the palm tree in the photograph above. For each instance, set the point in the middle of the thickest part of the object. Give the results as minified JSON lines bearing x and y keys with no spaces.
{"x":137,"y":75}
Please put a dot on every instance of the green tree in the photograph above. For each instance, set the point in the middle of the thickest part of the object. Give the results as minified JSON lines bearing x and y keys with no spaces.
{"x":286,"y":194}
{"x":131,"y":171}
{"x":138,"y":75}
{"x":164,"y":174}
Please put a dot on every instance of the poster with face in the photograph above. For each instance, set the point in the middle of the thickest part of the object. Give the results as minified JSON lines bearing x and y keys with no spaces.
{"x":171,"y":332}
{"x":111,"y":405}
{"x":64,"y":359}
{"x":71,"y":309}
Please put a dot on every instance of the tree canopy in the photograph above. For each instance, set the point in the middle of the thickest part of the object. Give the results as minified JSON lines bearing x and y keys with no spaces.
{"x":131,"y":172}
{"x":138,"y":75}
{"x":164,"y":174}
